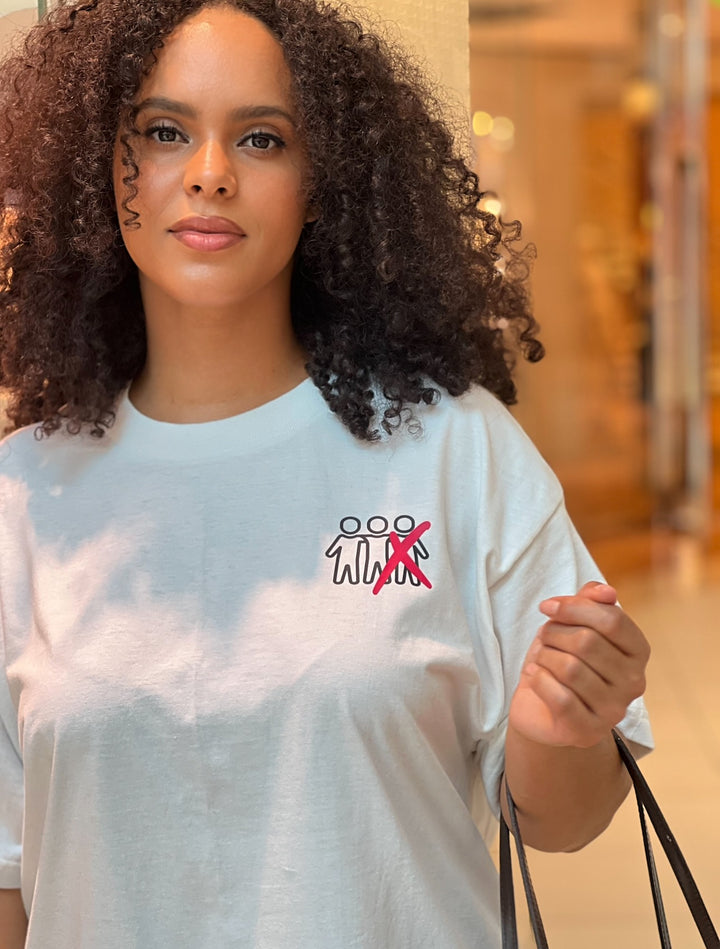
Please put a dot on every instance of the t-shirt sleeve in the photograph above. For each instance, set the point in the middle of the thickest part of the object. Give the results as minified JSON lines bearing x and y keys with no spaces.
{"x":11,"y":765}
{"x":554,"y":562}
{"x":11,"y":791}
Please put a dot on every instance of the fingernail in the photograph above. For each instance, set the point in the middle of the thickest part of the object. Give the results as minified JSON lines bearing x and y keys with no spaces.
{"x":549,"y":607}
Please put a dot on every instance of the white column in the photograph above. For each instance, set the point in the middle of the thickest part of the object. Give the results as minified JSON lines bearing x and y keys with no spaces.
{"x":680,"y":445}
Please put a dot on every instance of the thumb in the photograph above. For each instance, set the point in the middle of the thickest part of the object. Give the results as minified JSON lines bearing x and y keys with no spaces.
{"x":599,"y":592}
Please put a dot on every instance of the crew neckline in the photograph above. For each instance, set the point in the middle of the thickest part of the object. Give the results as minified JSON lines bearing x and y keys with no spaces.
{"x":246,"y":433}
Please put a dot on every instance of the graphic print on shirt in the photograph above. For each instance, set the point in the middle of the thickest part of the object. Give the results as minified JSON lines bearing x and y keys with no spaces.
{"x":380,"y":556}
{"x":349,"y":550}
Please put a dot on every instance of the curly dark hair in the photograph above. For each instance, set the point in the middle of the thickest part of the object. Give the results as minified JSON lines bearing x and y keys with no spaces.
{"x":402,"y":284}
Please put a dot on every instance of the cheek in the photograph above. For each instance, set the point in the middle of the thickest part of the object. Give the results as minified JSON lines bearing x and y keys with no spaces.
{"x":150,"y":194}
{"x":280,"y":207}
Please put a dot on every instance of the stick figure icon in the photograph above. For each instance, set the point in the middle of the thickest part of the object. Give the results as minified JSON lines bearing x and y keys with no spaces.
{"x":404,"y":525}
{"x":378,"y":540}
{"x":350,"y":550}
{"x":401,"y":549}
{"x":379,"y":555}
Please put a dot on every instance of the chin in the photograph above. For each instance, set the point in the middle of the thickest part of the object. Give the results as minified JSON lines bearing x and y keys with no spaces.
{"x":205,"y":295}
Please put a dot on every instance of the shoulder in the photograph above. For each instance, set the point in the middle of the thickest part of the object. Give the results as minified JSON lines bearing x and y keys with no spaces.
{"x":477,"y":412}
{"x":483,"y":431}
{"x":26,"y":447}
{"x":491,"y":464}
{"x":29,"y":459}
{"x":20,"y":454}
{"x":20,"y":461}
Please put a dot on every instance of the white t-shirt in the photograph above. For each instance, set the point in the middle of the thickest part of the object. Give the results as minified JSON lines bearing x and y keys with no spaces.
{"x":258,"y":674}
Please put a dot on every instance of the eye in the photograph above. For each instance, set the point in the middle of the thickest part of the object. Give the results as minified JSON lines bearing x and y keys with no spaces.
{"x":166,"y":133}
{"x":263,"y":141}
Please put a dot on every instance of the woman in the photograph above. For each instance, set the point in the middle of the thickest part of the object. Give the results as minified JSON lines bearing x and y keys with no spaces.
{"x":271,"y":548}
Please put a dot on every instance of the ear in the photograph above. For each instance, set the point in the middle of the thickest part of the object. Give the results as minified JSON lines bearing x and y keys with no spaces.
{"x":313,"y":213}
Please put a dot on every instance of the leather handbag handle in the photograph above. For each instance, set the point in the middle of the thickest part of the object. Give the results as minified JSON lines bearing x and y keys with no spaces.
{"x":646,"y":805}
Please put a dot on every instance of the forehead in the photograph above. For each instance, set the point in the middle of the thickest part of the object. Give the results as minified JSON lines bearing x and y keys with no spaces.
{"x":217,"y":53}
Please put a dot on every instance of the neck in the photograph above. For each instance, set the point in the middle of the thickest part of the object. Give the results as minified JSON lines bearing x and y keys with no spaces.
{"x":205,"y":364}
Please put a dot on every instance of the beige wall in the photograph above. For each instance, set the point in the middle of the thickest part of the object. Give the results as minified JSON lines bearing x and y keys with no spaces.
{"x":436,"y":32}
{"x":15,"y":18}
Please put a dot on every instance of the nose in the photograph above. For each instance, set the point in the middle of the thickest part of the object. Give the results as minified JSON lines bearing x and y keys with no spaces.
{"x":210,"y":171}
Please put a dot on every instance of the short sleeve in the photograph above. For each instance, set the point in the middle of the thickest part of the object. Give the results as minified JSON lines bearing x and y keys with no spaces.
{"x":11,"y":792}
{"x":11,"y":766}
{"x":555,"y":562}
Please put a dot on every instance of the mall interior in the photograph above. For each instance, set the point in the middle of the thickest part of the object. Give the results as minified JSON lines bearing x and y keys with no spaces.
{"x":597,"y":125}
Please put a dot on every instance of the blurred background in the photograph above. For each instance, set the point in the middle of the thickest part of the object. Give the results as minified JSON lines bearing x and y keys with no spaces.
{"x":597,"y":125}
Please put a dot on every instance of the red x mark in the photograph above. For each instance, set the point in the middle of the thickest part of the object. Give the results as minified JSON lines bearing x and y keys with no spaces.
{"x":401,"y":555}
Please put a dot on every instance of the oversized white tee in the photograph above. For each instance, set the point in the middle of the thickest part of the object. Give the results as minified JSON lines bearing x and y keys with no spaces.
{"x":257,"y":674}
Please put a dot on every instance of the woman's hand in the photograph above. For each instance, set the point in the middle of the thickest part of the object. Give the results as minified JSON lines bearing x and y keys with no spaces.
{"x":581,"y":672}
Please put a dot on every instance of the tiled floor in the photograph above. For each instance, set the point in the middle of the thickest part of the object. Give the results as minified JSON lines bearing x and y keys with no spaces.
{"x":600,"y":897}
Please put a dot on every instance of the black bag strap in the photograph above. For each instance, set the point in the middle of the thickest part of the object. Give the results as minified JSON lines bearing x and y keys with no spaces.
{"x":535,"y":919}
{"x":654,"y":883}
{"x":646,"y":803}
{"x":507,"y":893}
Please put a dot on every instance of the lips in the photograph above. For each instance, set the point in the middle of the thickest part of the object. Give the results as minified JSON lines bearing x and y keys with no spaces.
{"x":207,"y":225}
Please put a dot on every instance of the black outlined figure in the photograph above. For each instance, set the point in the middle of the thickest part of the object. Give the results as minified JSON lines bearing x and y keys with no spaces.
{"x":400,"y":554}
{"x":378,"y":553}
{"x":404,"y":525}
{"x":350,"y":550}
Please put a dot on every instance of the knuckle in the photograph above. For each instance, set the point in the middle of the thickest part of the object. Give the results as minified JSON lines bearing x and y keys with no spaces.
{"x":585,"y":643}
{"x":574,"y":669}
{"x":638,"y":684}
{"x":609,"y":624}
{"x":564,"y":701}
{"x":567,"y":701}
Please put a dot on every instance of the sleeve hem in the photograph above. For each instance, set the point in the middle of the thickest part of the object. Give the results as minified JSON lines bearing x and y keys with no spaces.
{"x":10,"y":877}
{"x":635,"y":728}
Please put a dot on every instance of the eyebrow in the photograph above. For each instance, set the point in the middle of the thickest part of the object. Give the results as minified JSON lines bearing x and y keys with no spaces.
{"x":237,"y":115}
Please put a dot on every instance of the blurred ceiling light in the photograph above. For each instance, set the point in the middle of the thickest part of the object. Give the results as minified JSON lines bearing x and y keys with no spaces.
{"x":641,"y":99}
{"x":483,"y":123}
{"x":492,"y":206}
{"x":503,"y":129}
{"x":671,"y":25}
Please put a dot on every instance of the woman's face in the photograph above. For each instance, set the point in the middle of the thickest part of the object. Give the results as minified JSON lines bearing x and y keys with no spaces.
{"x":218,"y":139}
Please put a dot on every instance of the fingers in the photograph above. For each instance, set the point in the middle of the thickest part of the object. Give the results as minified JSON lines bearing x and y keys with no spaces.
{"x":567,"y":718}
{"x":601,"y":616}
{"x":584,"y":668}
{"x":593,"y":590}
{"x":599,"y":592}
{"x":569,"y":679}
{"x":621,"y":670}
{"x":586,"y":645}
